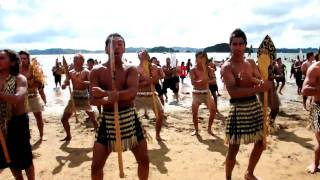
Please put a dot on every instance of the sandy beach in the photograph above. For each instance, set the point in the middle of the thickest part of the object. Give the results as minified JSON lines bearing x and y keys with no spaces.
{"x":181,"y":156}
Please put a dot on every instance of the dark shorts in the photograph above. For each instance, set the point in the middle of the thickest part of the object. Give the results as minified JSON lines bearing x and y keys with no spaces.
{"x":281,"y":79}
{"x":299,"y":80}
{"x":158,"y":89}
{"x":170,"y":83}
{"x":213,"y":88}
{"x":18,"y":144}
{"x":57,"y":78}
{"x":130,"y":127}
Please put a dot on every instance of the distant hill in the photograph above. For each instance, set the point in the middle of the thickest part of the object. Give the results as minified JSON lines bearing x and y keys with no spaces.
{"x":224,"y":48}
{"x":221,"y":47}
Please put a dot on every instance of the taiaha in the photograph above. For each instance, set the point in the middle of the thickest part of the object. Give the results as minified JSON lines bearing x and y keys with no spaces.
{"x":4,"y":147}
{"x":266,"y":54}
{"x":148,"y":68}
{"x":116,"y":110}
{"x":68,"y":77}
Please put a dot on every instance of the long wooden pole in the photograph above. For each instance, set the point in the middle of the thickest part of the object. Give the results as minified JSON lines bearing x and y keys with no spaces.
{"x":116,"y":111}
{"x":155,"y":107}
{"x":4,"y":147}
{"x":66,"y":68}
{"x":263,"y":64}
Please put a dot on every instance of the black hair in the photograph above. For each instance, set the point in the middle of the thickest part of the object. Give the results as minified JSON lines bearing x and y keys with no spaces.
{"x":23,"y":52}
{"x":13,"y":57}
{"x":198,"y":53}
{"x":309,"y":54}
{"x":90,"y":60}
{"x":153,"y":58}
{"x":112,"y":36}
{"x":238,"y":33}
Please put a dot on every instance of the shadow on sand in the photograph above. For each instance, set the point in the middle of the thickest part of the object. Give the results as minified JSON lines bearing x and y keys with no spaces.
{"x":158,"y":157}
{"x":287,"y":136}
{"x":75,"y":157}
{"x":214,"y":145}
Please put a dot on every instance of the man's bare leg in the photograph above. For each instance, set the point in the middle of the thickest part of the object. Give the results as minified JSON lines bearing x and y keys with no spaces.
{"x":141,"y":154}
{"x":30,"y":172}
{"x":40,"y":124}
{"x":17,"y":174}
{"x":231,"y":159}
{"x":99,"y":157}
{"x":159,"y":123}
{"x":253,"y":160}
{"x":195,"y":108}
{"x":282,"y":85}
{"x":66,"y":125}
{"x":92,"y":119}
{"x":212,"y":108}
{"x":313,"y":168}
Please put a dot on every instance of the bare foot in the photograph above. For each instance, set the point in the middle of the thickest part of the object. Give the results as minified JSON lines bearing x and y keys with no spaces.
{"x":312,"y":169}
{"x":158,"y":138}
{"x":194,"y":133}
{"x":43,"y":138}
{"x":68,"y":138}
{"x":250,"y":177}
{"x":280,"y":92}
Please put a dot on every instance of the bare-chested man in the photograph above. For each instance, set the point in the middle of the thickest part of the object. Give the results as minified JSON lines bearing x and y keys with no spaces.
{"x":200,"y":79}
{"x":304,"y":68}
{"x":280,"y":74}
{"x":144,"y":98}
{"x":14,"y":120}
{"x":80,"y":83}
{"x":35,"y":90}
{"x":132,"y":136}
{"x":311,"y":87}
{"x":245,"y":120}
{"x":158,"y":86}
{"x":169,"y":79}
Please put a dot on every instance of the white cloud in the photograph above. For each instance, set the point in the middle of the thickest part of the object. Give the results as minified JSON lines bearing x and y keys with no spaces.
{"x":148,"y":23}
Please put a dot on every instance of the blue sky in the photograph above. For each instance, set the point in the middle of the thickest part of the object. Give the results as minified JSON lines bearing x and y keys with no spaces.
{"x":41,"y":24}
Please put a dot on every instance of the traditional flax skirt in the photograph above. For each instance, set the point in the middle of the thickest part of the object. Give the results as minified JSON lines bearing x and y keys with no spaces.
{"x":315,"y":116}
{"x":35,"y":103}
{"x":81,"y":101}
{"x":130,"y":127}
{"x":201,"y":96}
{"x":144,"y":100}
{"x":245,"y":121}
{"x":18,"y":143}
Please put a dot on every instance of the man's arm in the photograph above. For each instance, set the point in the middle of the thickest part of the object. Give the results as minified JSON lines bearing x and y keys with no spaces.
{"x":310,"y":86}
{"x":42,"y":94}
{"x":21,"y":92}
{"x":95,"y":98}
{"x":238,"y":92}
{"x":132,"y":86}
{"x":195,"y":82}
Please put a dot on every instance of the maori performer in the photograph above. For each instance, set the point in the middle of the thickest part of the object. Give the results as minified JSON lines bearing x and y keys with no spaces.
{"x":244,"y":123}
{"x":36,"y":80}
{"x":79,"y":77}
{"x":149,"y":76}
{"x":14,"y":120}
{"x":201,"y":76}
{"x":126,"y":81}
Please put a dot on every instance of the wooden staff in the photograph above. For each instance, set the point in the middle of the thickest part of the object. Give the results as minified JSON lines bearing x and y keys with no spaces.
{"x":116,"y":111}
{"x":4,"y":147}
{"x":263,"y":64}
{"x":149,"y":70}
{"x":68,"y":76}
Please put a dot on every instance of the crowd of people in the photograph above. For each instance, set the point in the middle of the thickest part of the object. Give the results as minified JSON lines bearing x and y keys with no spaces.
{"x":145,"y":87}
